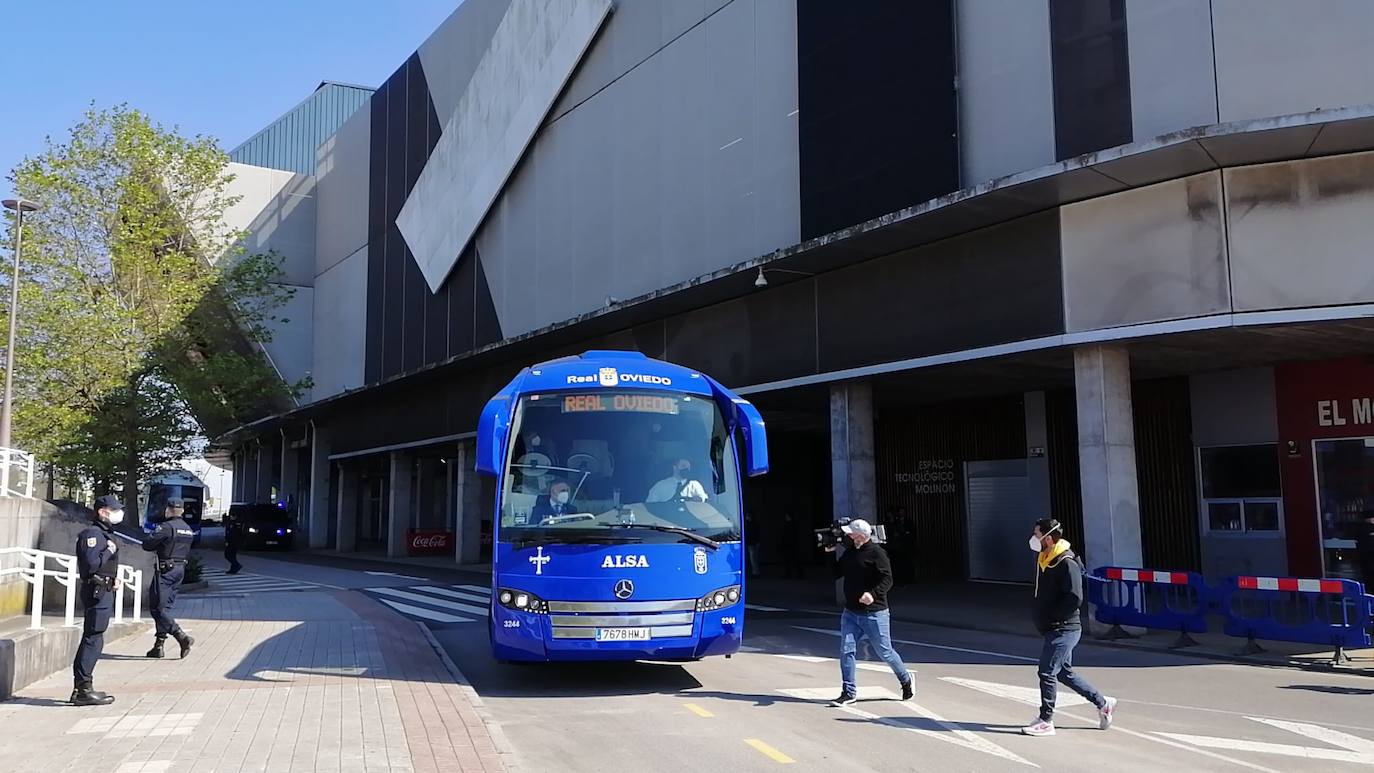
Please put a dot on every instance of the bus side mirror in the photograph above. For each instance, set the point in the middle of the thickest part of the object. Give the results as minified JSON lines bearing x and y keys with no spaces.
{"x":742,"y":415}
{"x":493,"y":429}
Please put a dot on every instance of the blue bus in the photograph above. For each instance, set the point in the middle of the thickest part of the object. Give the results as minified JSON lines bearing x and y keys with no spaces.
{"x":618,"y":532}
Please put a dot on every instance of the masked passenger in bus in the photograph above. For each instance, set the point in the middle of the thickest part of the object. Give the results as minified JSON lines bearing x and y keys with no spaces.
{"x":557,"y":502}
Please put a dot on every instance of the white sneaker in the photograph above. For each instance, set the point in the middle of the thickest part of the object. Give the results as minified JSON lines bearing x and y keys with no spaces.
{"x":1106,"y":714}
{"x":1038,"y":728}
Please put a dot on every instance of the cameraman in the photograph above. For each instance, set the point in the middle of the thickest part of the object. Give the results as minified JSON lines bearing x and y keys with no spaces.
{"x":866,"y":575}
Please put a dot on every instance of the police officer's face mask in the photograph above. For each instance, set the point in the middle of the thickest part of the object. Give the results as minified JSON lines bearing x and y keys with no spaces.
{"x":115,"y":517}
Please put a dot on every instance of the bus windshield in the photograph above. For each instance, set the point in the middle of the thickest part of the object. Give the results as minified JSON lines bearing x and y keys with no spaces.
{"x":613,"y":466}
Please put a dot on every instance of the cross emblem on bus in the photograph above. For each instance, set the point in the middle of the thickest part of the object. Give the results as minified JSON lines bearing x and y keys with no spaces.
{"x":539,"y":559}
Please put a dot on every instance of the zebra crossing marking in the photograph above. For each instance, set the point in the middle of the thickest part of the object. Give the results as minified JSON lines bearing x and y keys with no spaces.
{"x":454,"y":594}
{"x":427,"y":614}
{"x":432,"y":600}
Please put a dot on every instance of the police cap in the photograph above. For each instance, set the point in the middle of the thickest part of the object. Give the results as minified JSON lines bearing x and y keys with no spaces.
{"x":176,"y":502}
{"x":108,"y":501}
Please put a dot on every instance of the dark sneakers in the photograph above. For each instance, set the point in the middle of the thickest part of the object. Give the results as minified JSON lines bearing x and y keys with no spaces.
{"x":85,"y":696}
{"x":908,"y":689}
{"x":845,"y":699}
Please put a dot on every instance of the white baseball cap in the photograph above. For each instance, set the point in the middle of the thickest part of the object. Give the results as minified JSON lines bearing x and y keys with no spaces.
{"x":858,"y":526}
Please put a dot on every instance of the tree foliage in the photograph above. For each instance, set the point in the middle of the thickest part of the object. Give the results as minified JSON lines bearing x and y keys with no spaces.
{"x":137,"y":303}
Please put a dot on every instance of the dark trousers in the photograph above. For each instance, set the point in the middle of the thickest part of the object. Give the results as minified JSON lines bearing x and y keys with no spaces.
{"x":162,"y":596}
{"x":1056,"y":665}
{"x":231,"y":554}
{"x":93,"y":627}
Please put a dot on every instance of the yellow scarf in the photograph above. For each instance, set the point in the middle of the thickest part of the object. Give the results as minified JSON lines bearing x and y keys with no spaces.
{"x":1047,"y":557}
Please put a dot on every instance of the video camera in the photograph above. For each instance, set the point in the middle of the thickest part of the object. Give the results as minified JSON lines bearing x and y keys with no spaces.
{"x":833,"y":535}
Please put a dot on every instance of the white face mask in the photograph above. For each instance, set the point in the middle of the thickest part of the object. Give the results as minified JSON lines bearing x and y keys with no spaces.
{"x":1034,"y":544}
{"x":561,"y":497}
{"x":115,"y":517}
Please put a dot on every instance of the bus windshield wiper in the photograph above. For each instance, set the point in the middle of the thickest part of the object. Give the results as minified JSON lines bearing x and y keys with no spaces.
{"x":688,"y":533}
{"x":566,"y":539}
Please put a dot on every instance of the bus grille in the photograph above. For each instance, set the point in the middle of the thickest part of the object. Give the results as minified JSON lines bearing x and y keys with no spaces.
{"x":580,"y":619}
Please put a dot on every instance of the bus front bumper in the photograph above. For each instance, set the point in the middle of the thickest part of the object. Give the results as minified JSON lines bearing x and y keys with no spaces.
{"x":524,"y":636}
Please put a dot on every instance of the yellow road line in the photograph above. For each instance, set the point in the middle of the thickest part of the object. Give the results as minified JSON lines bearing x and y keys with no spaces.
{"x":769,"y":751}
{"x":699,"y":711}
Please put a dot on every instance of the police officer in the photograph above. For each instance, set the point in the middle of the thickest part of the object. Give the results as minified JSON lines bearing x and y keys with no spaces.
{"x":97,"y":561}
{"x":233,"y":540}
{"x":172,"y":540}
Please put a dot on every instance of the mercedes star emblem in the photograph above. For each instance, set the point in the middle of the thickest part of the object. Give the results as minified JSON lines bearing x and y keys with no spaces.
{"x":624,"y":589}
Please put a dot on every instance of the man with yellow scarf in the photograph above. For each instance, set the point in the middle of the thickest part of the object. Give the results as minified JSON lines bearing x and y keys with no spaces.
{"x":1058,"y":597}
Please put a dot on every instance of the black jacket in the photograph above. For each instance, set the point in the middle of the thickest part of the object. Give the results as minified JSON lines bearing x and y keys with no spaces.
{"x":1058,"y":594}
{"x":171,"y":540}
{"x":865,"y":570}
{"x":97,"y":552}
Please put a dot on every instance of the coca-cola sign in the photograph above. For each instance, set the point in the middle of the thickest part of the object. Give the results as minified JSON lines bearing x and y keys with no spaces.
{"x":429,"y":541}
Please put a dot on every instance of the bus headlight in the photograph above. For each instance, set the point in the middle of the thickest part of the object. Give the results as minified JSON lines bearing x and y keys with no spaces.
{"x":522,"y":601}
{"x":718,"y":599}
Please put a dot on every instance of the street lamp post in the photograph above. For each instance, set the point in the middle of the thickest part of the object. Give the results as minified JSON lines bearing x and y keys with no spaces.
{"x":19,"y":206}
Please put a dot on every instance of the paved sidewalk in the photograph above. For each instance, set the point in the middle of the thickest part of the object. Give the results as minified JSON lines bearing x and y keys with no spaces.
{"x":299,"y":681}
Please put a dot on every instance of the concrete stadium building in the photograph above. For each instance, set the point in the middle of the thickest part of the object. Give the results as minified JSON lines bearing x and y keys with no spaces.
{"x":977,"y":262}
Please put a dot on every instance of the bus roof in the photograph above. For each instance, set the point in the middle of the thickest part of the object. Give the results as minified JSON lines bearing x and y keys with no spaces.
{"x":602,"y":369}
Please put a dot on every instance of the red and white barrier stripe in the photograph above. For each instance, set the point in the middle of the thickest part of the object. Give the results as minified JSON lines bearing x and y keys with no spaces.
{"x":1147,"y":575}
{"x":1290,"y":584}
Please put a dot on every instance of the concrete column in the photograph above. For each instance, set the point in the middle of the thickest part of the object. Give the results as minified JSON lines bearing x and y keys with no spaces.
{"x":264,"y":480}
{"x":317,"y":507}
{"x":346,"y":538}
{"x":287,"y":488}
{"x":852,"y":475}
{"x":428,"y":499}
{"x":1037,"y":458}
{"x":399,"y":510}
{"x":1106,"y":456}
{"x":467,"y":497}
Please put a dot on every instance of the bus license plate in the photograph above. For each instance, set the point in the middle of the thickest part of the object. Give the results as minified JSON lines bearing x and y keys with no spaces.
{"x":622,"y":634}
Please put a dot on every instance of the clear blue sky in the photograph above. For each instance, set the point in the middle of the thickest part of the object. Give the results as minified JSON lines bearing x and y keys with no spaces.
{"x":220,"y":68}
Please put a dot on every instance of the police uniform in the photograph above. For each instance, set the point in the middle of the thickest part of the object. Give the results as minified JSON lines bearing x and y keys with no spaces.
{"x":97,"y":561}
{"x":172,"y":541}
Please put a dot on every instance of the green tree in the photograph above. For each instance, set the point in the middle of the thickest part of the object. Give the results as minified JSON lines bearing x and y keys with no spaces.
{"x":140,"y":312}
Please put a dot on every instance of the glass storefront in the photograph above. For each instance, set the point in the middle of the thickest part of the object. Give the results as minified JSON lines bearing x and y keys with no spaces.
{"x":1345,"y":496}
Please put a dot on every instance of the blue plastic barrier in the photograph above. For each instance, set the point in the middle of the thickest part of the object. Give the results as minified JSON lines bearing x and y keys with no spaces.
{"x":1330,"y":612}
{"x":1171,"y":601}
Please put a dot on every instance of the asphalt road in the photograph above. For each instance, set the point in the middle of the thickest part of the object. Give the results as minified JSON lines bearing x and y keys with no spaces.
{"x":766,"y":707}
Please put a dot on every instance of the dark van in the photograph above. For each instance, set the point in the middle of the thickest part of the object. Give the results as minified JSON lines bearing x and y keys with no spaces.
{"x":263,"y":525}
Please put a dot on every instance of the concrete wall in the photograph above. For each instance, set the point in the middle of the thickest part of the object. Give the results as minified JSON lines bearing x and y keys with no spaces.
{"x":1276,"y":57}
{"x":340,"y":326}
{"x":341,"y":175}
{"x":1173,"y":82}
{"x":20,"y":520}
{"x":1005,"y":80}
{"x":1146,"y":255}
{"x":278,"y":210}
{"x":1300,"y":232}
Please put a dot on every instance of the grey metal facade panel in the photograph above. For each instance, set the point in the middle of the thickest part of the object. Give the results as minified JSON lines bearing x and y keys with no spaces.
{"x":1145,"y":255}
{"x":1005,"y":80}
{"x":450,"y":55}
{"x":340,"y":325}
{"x":1277,"y":57}
{"x":289,"y":142}
{"x":1300,"y":232}
{"x":1173,"y":81}
{"x":679,"y":167}
{"x":342,"y":190}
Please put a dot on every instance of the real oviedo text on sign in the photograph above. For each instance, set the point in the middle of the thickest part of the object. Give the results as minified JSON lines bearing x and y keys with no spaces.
{"x":608,"y":377}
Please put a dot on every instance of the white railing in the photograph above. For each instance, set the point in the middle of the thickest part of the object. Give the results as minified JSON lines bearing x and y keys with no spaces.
{"x":16,"y":469}
{"x":33,"y":569}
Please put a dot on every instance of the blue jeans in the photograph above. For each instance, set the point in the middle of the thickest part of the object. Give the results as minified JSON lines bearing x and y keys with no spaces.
{"x":1056,"y":663}
{"x":877,"y":628}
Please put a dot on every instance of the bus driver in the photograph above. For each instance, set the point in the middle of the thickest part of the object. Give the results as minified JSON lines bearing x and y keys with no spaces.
{"x":678,"y":486}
